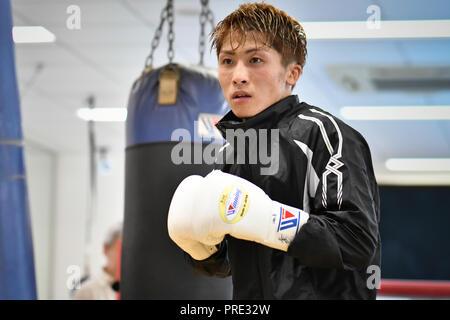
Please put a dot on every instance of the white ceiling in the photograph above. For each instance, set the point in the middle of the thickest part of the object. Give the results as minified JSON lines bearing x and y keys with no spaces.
{"x":107,"y":54}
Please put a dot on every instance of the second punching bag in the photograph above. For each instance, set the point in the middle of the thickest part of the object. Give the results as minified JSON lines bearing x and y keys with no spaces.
{"x":153,"y":267}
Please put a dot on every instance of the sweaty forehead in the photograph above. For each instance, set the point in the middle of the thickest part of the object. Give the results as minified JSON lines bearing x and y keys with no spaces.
{"x":235,"y":42}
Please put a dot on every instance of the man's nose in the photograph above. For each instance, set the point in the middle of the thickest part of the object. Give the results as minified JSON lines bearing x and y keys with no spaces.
{"x":240,"y":74}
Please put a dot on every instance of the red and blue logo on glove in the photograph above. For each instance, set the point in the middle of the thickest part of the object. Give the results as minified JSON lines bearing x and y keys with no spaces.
{"x":288,"y":219}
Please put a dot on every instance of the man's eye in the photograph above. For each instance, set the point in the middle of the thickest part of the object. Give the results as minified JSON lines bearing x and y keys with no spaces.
{"x":255,"y":60}
{"x":227,"y":61}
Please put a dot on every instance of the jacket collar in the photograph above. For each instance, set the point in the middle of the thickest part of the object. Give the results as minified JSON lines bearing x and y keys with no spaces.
{"x":265,"y":119}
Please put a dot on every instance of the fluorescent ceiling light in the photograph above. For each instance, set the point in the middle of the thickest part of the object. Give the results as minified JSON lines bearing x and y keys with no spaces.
{"x":413,"y":178}
{"x":388,"y":29}
{"x":103,"y":114}
{"x":32,"y":34}
{"x":424,"y":164}
{"x":396,"y":113}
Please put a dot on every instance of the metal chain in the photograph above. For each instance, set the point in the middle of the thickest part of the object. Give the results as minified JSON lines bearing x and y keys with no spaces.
{"x":206,"y":15}
{"x":166,"y":14}
{"x":171,"y":34}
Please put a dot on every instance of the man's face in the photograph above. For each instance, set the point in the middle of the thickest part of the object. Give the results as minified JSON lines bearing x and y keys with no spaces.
{"x":252,"y":76}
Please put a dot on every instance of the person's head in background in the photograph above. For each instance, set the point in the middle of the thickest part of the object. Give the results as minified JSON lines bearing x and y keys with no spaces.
{"x":111,"y":248}
{"x":261,"y":52}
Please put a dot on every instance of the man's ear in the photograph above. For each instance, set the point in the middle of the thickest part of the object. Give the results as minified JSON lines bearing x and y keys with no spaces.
{"x":294,"y":72}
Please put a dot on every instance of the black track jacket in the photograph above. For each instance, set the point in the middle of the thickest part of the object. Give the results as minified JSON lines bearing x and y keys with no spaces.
{"x":324,"y":168}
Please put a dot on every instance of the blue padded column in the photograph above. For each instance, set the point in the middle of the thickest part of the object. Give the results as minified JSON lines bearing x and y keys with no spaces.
{"x":17,"y":278}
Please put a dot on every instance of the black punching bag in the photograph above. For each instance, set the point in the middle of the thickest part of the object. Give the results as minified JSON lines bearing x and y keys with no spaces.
{"x":154,"y":267}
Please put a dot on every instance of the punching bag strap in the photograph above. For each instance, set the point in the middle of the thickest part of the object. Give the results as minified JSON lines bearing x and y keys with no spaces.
{"x":169,"y":79}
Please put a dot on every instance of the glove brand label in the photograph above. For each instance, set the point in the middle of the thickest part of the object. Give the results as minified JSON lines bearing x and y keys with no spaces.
{"x":233,"y":204}
{"x":287,"y":220}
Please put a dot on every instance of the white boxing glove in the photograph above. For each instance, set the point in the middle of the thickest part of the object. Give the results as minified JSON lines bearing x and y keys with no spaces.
{"x":227,"y":204}
{"x":180,"y":219}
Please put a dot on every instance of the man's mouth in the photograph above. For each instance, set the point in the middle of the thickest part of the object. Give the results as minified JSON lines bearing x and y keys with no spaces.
{"x":240,"y":96}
